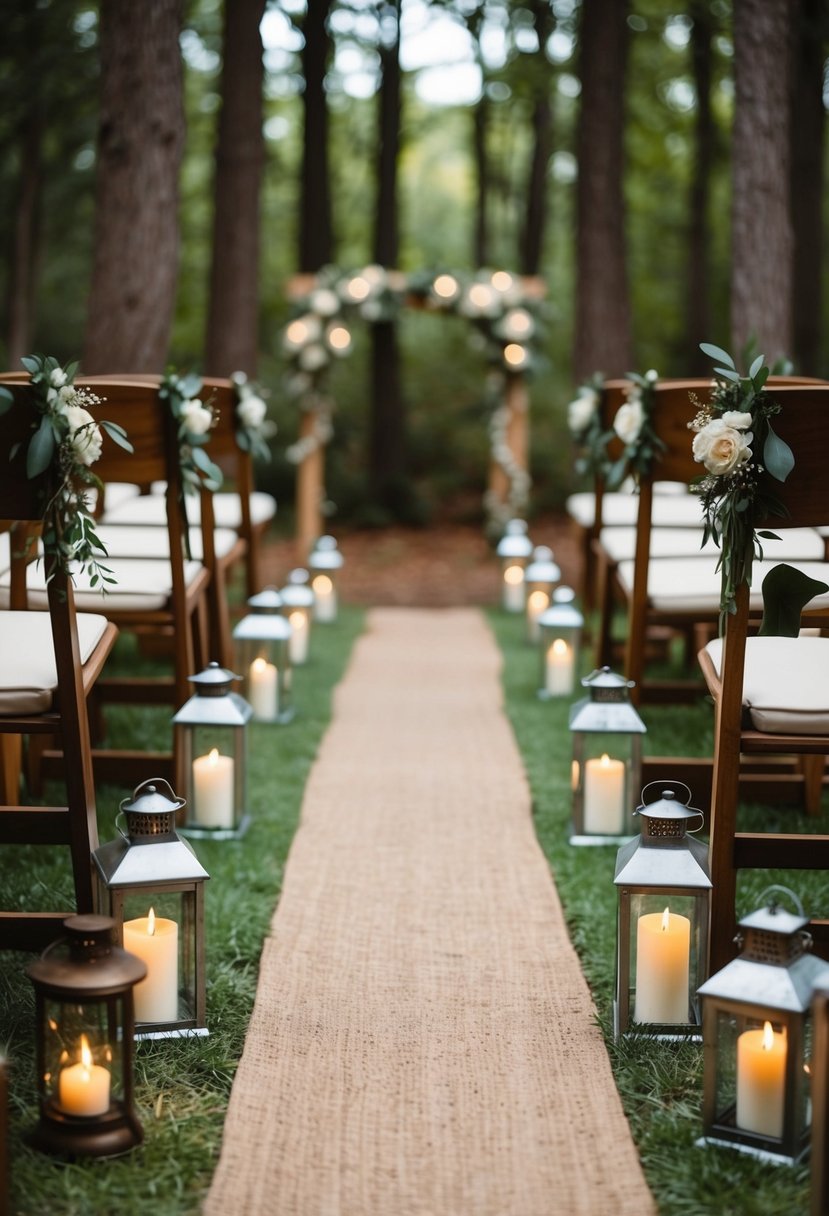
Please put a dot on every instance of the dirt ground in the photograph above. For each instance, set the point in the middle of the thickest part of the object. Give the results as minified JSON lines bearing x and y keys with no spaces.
{"x":444,"y":566}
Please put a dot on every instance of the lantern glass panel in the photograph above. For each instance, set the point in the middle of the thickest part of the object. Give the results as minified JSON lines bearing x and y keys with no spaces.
{"x":167,"y":943}
{"x":559,"y":647}
{"x":82,"y":1058}
{"x":606,"y":780}
{"x":299,"y":618}
{"x":215,"y":767}
{"x":664,"y":954}
{"x":324,"y":587}
{"x":266,"y":674}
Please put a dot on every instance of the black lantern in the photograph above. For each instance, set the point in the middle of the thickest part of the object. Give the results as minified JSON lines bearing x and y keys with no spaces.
{"x":559,"y":638}
{"x":153,"y":886}
{"x":298,"y":608}
{"x":211,"y":733}
{"x":662,"y":925}
{"x":84,"y":1000}
{"x":756,"y":1030}
{"x":263,"y":655}
{"x":514,"y":549}
{"x":607,"y":760}
{"x":540,"y":579}
{"x":324,"y":564}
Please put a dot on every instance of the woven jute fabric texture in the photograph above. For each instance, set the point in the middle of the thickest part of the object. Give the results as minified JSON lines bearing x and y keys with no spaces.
{"x":423,"y":1042}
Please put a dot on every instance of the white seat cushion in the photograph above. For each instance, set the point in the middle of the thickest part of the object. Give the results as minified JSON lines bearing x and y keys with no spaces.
{"x":142,"y":585}
{"x":691,"y":584}
{"x":129,"y":540}
{"x":28,"y":678}
{"x":786,"y":684}
{"x":150,"y":509}
{"x":795,"y":544}
{"x":680,"y":510}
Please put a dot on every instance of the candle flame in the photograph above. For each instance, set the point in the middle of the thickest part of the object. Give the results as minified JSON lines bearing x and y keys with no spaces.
{"x":538,"y":601}
{"x":559,"y":646}
{"x":213,"y":756}
{"x":297,"y":620}
{"x":605,"y":760}
{"x":666,"y":920}
{"x":259,"y":665}
{"x":514,"y":575}
{"x":86,"y":1054}
{"x":151,"y":923}
{"x":768,"y":1036}
{"x":322,"y":584}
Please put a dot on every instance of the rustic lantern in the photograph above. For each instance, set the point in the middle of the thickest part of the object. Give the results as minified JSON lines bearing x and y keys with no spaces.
{"x":540,"y":577}
{"x":514,"y":549}
{"x":559,"y":633}
{"x":756,"y":1031}
{"x":324,"y":563}
{"x":152,"y":884}
{"x":211,"y":733}
{"x":297,"y":607}
{"x":607,"y":760}
{"x":664,"y":890}
{"x":263,"y":655}
{"x":84,"y":1010}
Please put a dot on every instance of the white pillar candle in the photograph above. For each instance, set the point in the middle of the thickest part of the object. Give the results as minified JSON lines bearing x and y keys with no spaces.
{"x":560,"y":668}
{"x":604,"y":796}
{"x":263,"y":690}
{"x":154,"y":939}
{"x":514,"y":589}
{"x":663,"y":960}
{"x":83,"y":1088}
{"x":213,"y":790}
{"x":537,"y":602}
{"x":761,"y":1081}
{"x":298,"y":645}
{"x":325,"y":598}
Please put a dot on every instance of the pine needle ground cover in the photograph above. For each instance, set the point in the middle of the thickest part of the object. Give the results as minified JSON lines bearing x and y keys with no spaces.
{"x":182,"y":1086}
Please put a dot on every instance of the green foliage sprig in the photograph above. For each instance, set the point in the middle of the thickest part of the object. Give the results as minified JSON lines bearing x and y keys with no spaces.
{"x":633,"y":424}
{"x":252,"y":426}
{"x":584,"y":419}
{"x":195,"y":421}
{"x":728,"y":434}
{"x":66,"y":440}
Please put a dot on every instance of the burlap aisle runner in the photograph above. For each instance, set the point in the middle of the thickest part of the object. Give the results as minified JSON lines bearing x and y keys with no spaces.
{"x":423,"y":1041}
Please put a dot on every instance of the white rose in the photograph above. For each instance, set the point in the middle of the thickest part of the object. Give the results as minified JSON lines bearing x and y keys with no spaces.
{"x":84,"y":434}
{"x":197,"y":418}
{"x":67,"y":394}
{"x":312,"y":357}
{"x":739,"y":420}
{"x":251,"y":411}
{"x":628,"y":421}
{"x":57,"y":377}
{"x":580,"y":412}
{"x":324,"y":302}
{"x":721,"y":448}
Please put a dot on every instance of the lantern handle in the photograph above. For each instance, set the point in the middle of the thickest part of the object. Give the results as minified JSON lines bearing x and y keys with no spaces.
{"x":768,"y":895}
{"x":669,"y":783}
{"x":120,"y":815}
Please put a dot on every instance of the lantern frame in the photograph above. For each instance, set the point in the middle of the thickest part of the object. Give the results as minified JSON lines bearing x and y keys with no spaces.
{"x":664,"y":867}
{"x":540,"y":579}
{"x":92,"y":979}
{"x":298,"y":602}
{"x":820,"y":1100}
{"x":325,"y":561}
{"x":561,"y":622}
{"x":150,"y":865}
{"x":771,"y":981}
{"x":598,"y":722}
{"x":265,"y":634}
{"x":216,"y":714}
{"x":515,"y":550}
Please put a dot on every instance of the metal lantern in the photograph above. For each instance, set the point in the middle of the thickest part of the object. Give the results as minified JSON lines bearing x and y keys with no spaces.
{"x":297,"y":607}
{"x":662,"y":924}
{"x":559,"y":635}
{"x":607,"y":759}
{"x":820,"y":1101}
{"x":540,"y":578}
{"x":152,"y":884}
{"x":211,"y":737}
{"x":263,"y":655}
{"x":84,"y":1010}
{"x":514,"y":549}
{"x":756,"y":1032}
{"x":324,"y":563}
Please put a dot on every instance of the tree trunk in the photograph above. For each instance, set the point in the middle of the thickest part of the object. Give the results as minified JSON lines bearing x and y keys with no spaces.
{"x":316,"y":237}
{"x":697,"y":319}
{"x":602,"y":315}
{"x":808,"y":117}
{"x":25,"y":234}
{"x":233,"y":307}
{"x":761,"y":257}
{"x":140,"y":140}
{"x":535,"y":216}
{"x":480,"y":119}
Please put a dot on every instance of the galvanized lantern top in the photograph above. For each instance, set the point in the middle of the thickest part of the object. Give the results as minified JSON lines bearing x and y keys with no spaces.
{"x":262,"y":627}
{"x":775,"y":969}
{"x":515,"y":542}
{"x":214,"y":704}
{"x":542,"y":568}
{"x":562,"y":613}
{"x":151,"y":812}
{"x":267,"y":601}
{"x":296,"y":593}
{"x":150,"y":816}
{"x":643,"y":862}
{"x":86,"y":962}
{"x":325,"y":555}
{"x":607,"y":709}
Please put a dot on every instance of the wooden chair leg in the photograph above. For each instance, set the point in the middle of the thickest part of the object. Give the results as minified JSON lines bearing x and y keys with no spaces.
{"x":604,"y":602}
{"x":11,"y":759}
{"x":812,"y":768}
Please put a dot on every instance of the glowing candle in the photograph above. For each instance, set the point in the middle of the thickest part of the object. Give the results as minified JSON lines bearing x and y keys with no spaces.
{"x":663,"y":959}
{"x":560,"y":668}
{"x":325,"y":598}
{"x":263,"y":690}
{"x":761,"y":1077}
{"x":83,"y":1088}
{"x":604,"y":796}
{"x":213,"y":790}
{"x":298,"y":645}
{"x":514,"y":588}
{"x":537,"y":602}
{"x":155,"y":940}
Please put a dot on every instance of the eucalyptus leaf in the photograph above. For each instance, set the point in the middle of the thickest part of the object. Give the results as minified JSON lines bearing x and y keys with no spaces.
{"x":760,"y":379}
{"x":6,"y":400}
{"x":31,"y":363}
{"x":118,"y":435}
{"x":41,"y":449}
{"x":755,"y":367}
{"x":777,"y":455}
{"x":716,"y":352}
{"x":786,"y":592}
{"x":190,"y":386}
{"x":728,"y":374}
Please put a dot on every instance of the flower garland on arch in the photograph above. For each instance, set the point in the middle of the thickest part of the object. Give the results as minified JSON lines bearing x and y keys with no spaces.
{"x":66,"y":441}
{"x":735,"y":441}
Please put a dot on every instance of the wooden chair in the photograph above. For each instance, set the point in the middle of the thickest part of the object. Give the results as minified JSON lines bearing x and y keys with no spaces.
{"x":771,"y":694}
{"x":49,"y":663}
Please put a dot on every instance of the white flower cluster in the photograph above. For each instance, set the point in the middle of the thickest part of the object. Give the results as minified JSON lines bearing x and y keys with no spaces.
{"x":196,"y":417}
{"x":83,"y":432}
{"x":631,"y":413}
{"x":723,"y":444}
{"x":582,"y":410}
{"x":250,"y":409}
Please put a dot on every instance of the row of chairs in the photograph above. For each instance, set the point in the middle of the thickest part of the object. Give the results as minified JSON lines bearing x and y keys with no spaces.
{"x":51,"y":662}
{"x":771,"y":694}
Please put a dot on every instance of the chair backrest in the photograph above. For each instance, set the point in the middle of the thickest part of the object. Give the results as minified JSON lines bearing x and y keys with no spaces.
{"x":803,"y":423}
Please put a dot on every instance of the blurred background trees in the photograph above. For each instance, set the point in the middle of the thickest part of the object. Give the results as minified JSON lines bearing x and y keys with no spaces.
{"x":623,"y":151}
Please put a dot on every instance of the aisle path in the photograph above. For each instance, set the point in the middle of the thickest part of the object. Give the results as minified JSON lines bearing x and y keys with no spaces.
{"x":423,"y":1042}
